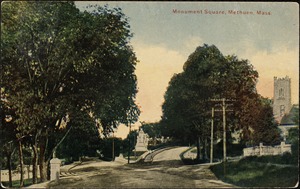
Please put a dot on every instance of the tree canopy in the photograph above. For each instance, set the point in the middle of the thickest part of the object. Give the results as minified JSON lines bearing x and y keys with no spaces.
{"x":57,"y":61}
{"x":207,"y":75}
{"x":152,"y":129}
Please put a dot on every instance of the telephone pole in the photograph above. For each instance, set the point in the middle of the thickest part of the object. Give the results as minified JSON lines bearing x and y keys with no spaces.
{"x":224,"y":129}
{"x":212,"y":134}
{"x":113,"y":148}
{"x":129,"y":142}
{"x":221,"y":102}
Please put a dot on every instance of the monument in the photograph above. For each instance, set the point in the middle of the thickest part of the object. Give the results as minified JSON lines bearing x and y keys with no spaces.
{"x":142,"y":141}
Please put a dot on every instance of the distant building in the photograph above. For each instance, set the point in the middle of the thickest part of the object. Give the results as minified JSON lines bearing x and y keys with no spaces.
{"x":282,"y":97}
{"x":283,"y":110}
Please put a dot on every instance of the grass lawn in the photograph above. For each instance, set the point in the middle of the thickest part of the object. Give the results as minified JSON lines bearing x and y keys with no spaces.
{"x":16,"y":183}
{"x":250,"y":173}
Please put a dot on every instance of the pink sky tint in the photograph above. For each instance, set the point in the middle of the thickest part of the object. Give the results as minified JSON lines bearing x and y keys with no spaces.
{"x":158,"y":64}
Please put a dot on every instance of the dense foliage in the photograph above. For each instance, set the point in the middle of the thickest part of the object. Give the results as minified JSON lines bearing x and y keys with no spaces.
{"x":152,"y":129}
{"x":293,"y":138}
{"x":57,"y":61}
{"x":208,"y":75}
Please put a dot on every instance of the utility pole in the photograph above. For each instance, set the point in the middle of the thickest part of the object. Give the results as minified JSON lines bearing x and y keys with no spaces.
{"x":113,"y":148}
{"x":129,"y":141}
{"x":224,"y":129}
{"x":223,"y":101}
{"x":212,"y":134}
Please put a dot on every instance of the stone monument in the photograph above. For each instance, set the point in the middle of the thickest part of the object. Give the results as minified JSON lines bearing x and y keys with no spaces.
{"x":142,"y":141}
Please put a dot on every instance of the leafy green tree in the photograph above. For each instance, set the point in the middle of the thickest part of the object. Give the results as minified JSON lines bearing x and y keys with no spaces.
{"x":109,"y":146}
{"x":12,"y":139}
{"x":296,"y":116}
{"x":186,"y":100}
{"x":83,"y":138}
{"x":152,"y":129}
{"x":208,"y":74}
{"x":58,"y":60}
{"x":128,"y":144}
{"x":293,"y":138}
{"x":8,"y":137}
{"x":265,"y":128}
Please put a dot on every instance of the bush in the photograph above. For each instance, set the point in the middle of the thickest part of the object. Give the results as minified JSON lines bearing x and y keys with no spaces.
{"x":293,"y":138}
{"x":232,"y":150}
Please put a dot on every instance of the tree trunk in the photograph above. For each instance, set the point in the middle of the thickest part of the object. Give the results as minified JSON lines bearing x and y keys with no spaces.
{"x":205,"y":149}
{"x":9,"y":168}
{"x":34,"y":164}
{"x":43,"y":171}
{"x":198,"y":149}
{"x":43,"y":166}
{"x":21,"y":164}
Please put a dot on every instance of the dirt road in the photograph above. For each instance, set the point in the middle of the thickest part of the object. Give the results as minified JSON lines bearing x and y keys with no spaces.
{"x":166,"y":171}
{"x":169,"y":155}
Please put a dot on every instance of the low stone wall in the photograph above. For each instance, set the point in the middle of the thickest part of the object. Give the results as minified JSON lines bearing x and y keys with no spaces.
{"x":267,"y":150}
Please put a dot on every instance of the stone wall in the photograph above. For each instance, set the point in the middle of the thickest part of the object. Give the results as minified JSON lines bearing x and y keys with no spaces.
{"x":267,"y":150}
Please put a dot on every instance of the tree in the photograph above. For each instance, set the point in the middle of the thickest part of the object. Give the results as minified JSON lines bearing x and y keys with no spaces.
{"x":83,"y":138}
{"x":58,"y":60}
{"x":186,"y":100}
{"x":8,"y":137}
{"x":293,"y":138}
{"x":110,"y":148}
{"x":208,"y":74}
{"x":128,"y":144}
{"x":11,"y":137}
{"x":152,"y":129}
{"x":296,"y":116}
{"x":265,"y":128}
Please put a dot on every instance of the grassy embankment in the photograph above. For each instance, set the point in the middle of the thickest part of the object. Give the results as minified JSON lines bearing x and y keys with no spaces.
{"x":266,"y":171}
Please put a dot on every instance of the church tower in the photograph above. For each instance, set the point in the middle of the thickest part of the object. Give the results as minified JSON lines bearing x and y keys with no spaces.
{"x":282,"y":97}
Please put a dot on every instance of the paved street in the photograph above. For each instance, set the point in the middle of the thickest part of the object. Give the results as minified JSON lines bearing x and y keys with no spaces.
{"x":166,"y":171}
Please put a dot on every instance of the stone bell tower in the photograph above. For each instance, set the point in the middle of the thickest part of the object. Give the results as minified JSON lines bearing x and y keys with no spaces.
{"x":282,"y":97}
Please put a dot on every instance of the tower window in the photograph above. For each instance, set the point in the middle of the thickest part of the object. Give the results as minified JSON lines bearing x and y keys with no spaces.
{"x":281,"y":93}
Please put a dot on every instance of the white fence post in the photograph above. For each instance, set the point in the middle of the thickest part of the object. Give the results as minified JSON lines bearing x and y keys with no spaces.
{"x":261,"y":149}
{"x":55,"y":169}
{"x":282,"y":144}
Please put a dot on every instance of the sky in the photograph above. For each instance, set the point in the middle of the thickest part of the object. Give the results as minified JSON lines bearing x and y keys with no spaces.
{"x":164,"y":35}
